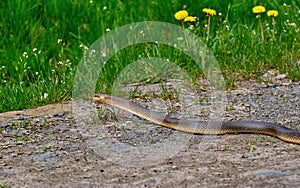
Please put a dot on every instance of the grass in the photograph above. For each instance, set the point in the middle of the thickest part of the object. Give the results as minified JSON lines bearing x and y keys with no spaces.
{"x":42,"y":42}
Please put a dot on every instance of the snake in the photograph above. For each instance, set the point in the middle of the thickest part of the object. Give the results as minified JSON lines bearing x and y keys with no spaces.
{"x":202,"y":127}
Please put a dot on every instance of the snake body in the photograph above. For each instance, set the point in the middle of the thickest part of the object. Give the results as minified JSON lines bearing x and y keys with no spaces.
{"x":203,"y":127}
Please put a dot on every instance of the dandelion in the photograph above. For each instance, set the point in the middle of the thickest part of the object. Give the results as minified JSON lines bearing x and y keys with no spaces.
{"x":189,"y":19}
{"x":180,"y":15}
{"x":209,"y":13}
{"x":258,"y":10}
{"x":273,"y":14}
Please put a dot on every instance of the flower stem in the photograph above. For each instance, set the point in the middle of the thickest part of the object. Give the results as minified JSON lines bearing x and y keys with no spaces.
{"x":208,"y":26}
{"x":273,"y":23}
{"x":261,"y":29}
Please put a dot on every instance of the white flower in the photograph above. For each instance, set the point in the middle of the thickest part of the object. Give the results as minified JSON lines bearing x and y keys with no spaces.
{"x":45,"y":95}
{"x":25,"y":54}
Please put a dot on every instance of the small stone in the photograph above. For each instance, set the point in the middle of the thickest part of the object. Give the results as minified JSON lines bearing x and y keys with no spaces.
{"x":280,"y":76}
{"x":174,"y":167}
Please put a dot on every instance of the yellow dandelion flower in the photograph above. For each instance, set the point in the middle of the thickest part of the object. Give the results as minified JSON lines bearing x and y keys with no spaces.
{"x":189,"y":19}
{"x":258,"y":9}
{"x":209,"y":11}
{"x":272,"y":13}
{"x":180,"y":15}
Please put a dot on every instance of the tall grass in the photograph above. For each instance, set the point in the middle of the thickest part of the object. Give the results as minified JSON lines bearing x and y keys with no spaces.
{"x":43,"y":41}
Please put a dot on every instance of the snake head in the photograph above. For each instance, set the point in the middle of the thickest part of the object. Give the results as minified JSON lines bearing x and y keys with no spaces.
{"x":101,"y":97}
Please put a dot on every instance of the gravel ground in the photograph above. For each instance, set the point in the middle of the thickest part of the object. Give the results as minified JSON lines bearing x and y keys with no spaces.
{"x":51,"y":147}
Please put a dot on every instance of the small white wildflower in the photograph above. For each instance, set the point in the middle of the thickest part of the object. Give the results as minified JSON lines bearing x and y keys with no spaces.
{"x":220,"y":14}
{"x":105,"y":7}
{"x":205,"y":25}
{"x":107,"y":30}
{"x":191,"y":27}
{"x":141,"y":32}
{"x":59,"y":41}
{"x":253,"y":32}
{"x":36,"y":73}
{"x":39,"y":51}
{"x":227,"y":27}
{"x":45,"y":95}
{"x":284,"y":31}
{"x":34,"y":49}
{"x":60,"y":62}
{"x":140,"y":56}
{"x":25,"y":54}
{"x":284,"y":4}
{"x":3,"y":67}
{"x":93,"y":51}
{"x":156,"y":42}
{"x":91,"y":1}
{"x":168,"y":60}
{"x":68,"y":60}
{"x":4,"y":81}
{"x":53,"y":70}
{"x":175,"y":45}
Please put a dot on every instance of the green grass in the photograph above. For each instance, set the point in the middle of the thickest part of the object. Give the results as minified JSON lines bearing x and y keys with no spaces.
{"x":42,"y":42}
